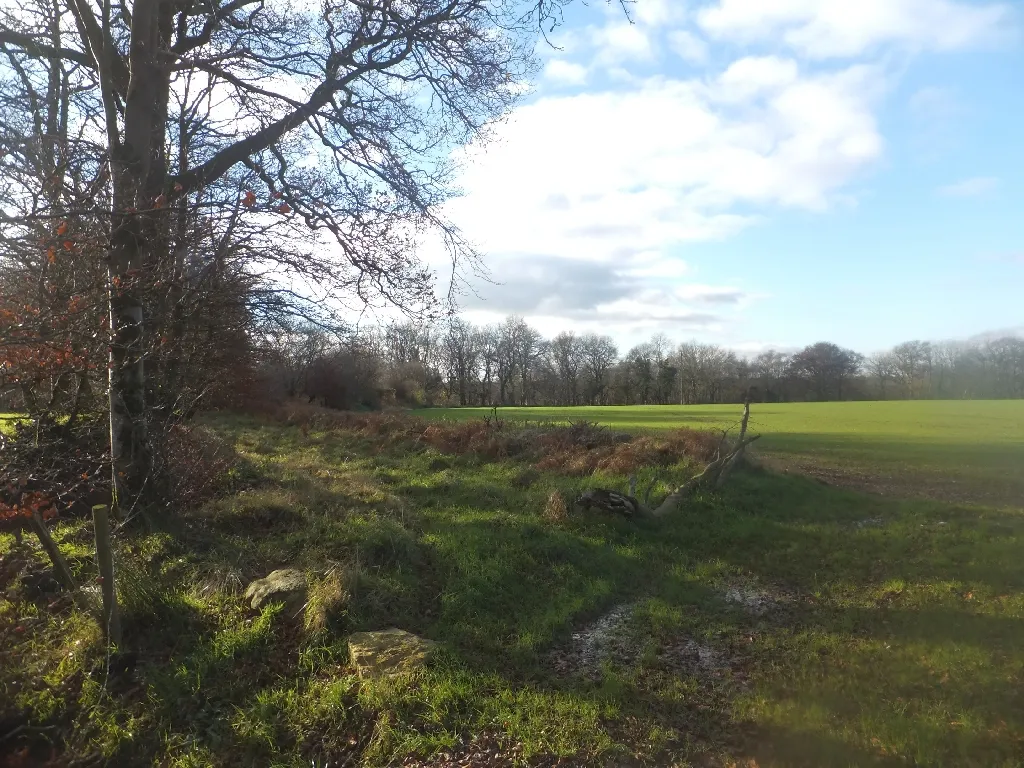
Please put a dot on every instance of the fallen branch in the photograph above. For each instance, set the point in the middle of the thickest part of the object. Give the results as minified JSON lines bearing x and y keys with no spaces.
{"x":738,"y":454}
{"x":714,"y":474}
{"x":709,"y":476}
{"x":60,"y":565}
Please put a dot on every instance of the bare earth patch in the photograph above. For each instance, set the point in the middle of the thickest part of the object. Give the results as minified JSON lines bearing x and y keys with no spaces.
{"x":608,"y":638}
{"x":755,"y":601}
{"x":612,"y":639}
{"x":901,"y":485}
{"x":487,"y":751}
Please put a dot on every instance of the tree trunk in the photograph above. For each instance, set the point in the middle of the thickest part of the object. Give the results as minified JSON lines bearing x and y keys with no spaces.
{"x":131,"y":161}
{"x":131,"y":457}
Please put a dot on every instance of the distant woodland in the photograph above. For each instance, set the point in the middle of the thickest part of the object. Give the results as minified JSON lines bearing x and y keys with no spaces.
{"x":457,"y":363}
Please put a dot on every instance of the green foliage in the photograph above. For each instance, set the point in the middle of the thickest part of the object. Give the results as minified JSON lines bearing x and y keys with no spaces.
{"x":891,"y":632}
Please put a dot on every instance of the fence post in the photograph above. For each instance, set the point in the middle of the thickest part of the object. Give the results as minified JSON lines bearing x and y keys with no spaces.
{"x":105,"y":562}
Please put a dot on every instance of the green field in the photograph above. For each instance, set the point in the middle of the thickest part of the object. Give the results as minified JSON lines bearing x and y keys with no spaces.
{"x":779,"y":622}
{"x":949,"y":449}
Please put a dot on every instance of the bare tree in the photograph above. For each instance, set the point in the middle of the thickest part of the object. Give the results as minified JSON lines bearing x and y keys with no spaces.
{"x":566,"y":354}
{"x":912,"y":363}
{"x":599,"y":355}
{"x":375,"y":91}
{"x":826,"y":367}
{"x":461,"y":354}
{"x":771,"y":368}
{"x":882,"y":368}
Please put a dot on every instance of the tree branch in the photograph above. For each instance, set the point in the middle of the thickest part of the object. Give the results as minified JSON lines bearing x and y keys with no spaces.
{"x":31,"y":46}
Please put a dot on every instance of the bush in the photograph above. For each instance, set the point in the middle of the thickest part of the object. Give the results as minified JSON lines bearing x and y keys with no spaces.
{"x":579,"y":448}
{"x":193,"y":465}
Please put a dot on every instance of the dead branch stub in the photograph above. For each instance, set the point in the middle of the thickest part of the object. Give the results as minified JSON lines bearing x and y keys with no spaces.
{"x":714,"y":476}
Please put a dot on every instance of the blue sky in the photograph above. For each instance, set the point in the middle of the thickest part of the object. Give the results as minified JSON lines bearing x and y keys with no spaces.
{"x":762,"y":173}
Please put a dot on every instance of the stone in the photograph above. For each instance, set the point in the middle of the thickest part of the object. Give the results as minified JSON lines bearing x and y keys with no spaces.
{"x":287,"y":585}
{"x":388,"y":653}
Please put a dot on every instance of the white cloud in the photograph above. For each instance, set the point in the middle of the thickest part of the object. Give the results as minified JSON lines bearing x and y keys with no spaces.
{"x":974,"y":187}
{"x":621,"y":42}
{"x":709,"y":294}
{"x":655,"y":12}
{"x":624,"y":179}
{"x":565,"y":72}
{"x":688,"y":46}
{"x":755,"y":75}
{"x":839,"y":28}
{"x":586,"y":204}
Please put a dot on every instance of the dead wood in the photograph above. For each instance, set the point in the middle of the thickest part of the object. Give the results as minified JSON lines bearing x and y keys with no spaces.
{"x":714,"y":475}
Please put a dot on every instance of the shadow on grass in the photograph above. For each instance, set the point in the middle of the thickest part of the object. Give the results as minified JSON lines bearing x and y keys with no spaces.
{"x":467,"y":558}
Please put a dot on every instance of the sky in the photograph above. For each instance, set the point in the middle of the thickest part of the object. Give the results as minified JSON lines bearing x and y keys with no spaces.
{"x":761,"y":174}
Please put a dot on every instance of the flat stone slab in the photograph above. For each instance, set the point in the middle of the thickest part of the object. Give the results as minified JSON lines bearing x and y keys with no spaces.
{"x":388,"y":652}
{"x":287,"y":585}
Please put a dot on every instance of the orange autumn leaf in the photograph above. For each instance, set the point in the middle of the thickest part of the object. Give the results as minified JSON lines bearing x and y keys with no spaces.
{"x":62,"y":228}
{"x":159,"y":202}
{"x":284,"y":208}
{"x":250,"y":199}
{"x":68,"y":245}
{"x":51,"y":255}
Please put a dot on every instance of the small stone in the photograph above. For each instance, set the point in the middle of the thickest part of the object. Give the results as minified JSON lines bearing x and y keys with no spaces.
{"x":388,"y":652}
{"x":286,"y":585}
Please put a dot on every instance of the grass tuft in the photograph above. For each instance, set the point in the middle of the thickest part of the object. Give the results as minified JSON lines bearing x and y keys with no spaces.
{"x":556,"y":510}
{"x":328,"y":597}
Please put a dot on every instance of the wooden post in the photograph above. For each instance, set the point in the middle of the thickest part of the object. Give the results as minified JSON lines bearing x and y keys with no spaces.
{"x":105,"y":562}
{"x":60,"y":565}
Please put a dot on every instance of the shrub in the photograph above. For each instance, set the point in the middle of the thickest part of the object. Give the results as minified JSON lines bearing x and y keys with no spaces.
{"x":193,"y":465}
{"x":579,"y":448}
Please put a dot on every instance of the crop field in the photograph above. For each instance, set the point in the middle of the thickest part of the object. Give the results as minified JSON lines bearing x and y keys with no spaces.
{"x":781,"y":621}
{"x":961,"y":450}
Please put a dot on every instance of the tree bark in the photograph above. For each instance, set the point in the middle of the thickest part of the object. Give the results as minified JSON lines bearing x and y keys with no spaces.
{"x":131,"y":234}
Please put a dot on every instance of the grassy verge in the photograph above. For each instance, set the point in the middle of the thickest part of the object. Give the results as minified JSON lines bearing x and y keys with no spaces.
{"x":783,"y":621}
{"x":956,"y":450}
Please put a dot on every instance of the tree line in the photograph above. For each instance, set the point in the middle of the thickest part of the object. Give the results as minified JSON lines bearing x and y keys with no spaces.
{"x":454,"y":362}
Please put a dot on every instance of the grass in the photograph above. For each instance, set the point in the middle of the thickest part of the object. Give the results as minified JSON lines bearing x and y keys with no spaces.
{"x":960,"y":450}
{"x":892,"y":636}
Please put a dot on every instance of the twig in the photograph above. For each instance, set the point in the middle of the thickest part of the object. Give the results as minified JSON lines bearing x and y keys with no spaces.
{"x":26,"y":729}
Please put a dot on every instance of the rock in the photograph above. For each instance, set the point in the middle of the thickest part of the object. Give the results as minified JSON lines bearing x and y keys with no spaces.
{"x":388,"y":652}
{"x":286,"y":585}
